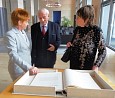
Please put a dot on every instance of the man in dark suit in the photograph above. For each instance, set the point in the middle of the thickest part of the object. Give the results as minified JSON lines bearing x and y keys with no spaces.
{"x":46,"y":39}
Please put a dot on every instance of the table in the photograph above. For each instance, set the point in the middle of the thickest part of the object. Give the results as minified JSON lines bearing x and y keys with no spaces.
{"x":7,"y":93}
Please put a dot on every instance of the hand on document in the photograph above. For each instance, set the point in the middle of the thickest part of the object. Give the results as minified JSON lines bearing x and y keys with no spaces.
{"x":33,"y":70}
{"x":95,"y":68}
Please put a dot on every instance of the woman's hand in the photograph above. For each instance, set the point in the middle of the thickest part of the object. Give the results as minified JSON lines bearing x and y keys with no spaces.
{"x":95,"y":68}
{"x":69,"y":44}
{"x":33,"y":70}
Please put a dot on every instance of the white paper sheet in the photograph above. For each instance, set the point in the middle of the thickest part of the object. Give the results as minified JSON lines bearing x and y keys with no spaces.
{"x":79,"y":79}
{"x":53,"y":79}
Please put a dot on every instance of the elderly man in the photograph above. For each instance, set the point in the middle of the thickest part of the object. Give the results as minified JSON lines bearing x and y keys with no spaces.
{"x":46,"y":39}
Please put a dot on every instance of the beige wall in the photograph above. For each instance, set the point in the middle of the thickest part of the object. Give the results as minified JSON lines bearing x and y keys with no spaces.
{"x":67,"y":9}
{"x":97,"y":6}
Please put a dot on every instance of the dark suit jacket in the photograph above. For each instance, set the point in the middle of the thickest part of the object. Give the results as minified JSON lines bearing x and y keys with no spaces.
{"x":53,"y":38}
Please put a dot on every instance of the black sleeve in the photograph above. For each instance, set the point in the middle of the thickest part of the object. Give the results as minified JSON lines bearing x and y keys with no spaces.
{"x":101,"y":46}
{"x":74,"y":34}
{"x":58,"y":37}
{"x":33,"y":39}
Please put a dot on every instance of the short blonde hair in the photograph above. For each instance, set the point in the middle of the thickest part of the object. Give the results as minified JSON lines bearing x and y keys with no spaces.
{"x":19,"y":14}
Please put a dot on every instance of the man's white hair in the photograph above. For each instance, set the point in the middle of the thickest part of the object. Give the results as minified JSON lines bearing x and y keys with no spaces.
{"x":43,"y":10}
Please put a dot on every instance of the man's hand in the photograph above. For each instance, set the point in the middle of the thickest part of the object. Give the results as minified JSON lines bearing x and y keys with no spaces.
{"x":51,"y":48}
{"x":33,"y":70}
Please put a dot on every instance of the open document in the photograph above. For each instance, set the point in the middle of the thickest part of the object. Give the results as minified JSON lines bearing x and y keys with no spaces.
{"x":77,"y":79}
{"x":53,"y":79}
{"x":51,"y":82}
{"x":70,"y":78}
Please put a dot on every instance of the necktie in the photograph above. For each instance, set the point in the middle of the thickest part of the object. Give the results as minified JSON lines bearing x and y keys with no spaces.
{"x":43,"y":30}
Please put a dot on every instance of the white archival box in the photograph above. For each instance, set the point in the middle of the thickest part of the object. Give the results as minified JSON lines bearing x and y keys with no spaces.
{"x":26,"y":85}
{"x":106,"y":90}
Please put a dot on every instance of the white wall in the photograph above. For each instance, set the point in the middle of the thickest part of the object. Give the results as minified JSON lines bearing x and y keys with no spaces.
{"x":20,"y":4}
{"x":0,"y":3}
{"x":67,"y":9}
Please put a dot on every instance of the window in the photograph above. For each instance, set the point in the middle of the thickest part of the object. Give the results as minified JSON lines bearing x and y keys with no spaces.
{"x":89,"y":2}
{"x":104,"y":0}
{"x":108,"y":22}
{"x":112,"y":37}
{"x":80,"y":3}
{"x":104,"y":19}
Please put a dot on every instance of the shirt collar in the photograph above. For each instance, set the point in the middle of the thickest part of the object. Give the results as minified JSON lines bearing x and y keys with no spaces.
{"x":44,"y":25}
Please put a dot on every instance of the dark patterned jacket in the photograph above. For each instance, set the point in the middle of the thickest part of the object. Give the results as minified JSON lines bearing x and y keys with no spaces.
{"x":86,"y":41}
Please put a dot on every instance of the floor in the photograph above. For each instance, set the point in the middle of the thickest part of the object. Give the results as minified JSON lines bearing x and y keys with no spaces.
{"x":107,"y":67}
